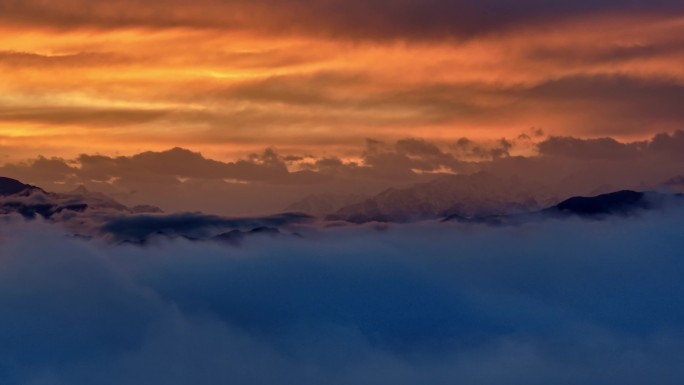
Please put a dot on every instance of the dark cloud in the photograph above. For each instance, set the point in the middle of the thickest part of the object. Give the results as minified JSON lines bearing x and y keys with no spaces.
{"x":605,"y":54}
{"x":405,"y":19}
{"x":601,"y":148}
{"x":608,"y":104}
{"x":403,"y":158}
{"x":669,"y":144}
{"x":21,"y":60}
{"x":406,"y":157}
{"x":41,"y":170}
{"x":593,"y":104}
{"x":662,"y":145}
{"x":614,"y":87}
{"x":178,"y":162}
{"x":412,"y":304}
{"x":467,"y":149}
{"x":91,"y":116}
{"x":418,"y":147}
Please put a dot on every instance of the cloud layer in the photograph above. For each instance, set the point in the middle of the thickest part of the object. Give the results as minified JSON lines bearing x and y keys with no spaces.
{"x":567,"y":302}
{"x":357,"y":19}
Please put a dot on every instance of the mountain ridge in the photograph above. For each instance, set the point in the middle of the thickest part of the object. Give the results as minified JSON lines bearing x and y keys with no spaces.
{"x":466,"y":195}
{"x":9,"y":186}
{"x":623,"y":203}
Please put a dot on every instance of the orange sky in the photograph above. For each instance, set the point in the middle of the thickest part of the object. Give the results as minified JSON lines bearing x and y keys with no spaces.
{"x":97,"y":78}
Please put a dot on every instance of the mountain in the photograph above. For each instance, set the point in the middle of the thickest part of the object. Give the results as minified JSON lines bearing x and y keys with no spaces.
{"x":10,"y":186}
{"x":81,"y":211}
{"x":473,"y":195}
{"x":91,"y":214}
{"x":324,"y":204}
{"x":30,"y":202}
{"x":622,"y":203}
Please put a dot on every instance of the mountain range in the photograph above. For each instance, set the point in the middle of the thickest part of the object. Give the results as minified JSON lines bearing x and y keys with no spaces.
{"x":473,"y":195}
{"x":624,"y":203}
{"x":93,"y":214}
{"x":478,"y":198}
{"x":323,"y":204}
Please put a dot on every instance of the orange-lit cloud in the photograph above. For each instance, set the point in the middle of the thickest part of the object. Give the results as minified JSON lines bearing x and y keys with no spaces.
{"x":228,"y":78}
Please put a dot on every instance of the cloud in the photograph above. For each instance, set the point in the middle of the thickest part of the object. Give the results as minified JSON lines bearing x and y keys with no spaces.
{"x":591,"y":100}
{"x":93,"y":117}
{"x":411,"y":304}
{"x":40,"y":171}
{"x":407,"y":19}
{"x":468,"y":149}
{"x":182,"y":163}
{"x":600,"y":148}
{"x":21,"y":60}
{"x":606,"y":53}
{"x":406,"y":157}
{"x":670,"y":146}
{"x":613,"y":103}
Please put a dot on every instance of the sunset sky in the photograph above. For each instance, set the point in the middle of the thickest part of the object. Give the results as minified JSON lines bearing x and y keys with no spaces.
{"x":227,"y":78}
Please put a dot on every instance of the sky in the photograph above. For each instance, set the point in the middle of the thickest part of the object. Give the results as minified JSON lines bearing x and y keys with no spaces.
{"x":229,"y":78}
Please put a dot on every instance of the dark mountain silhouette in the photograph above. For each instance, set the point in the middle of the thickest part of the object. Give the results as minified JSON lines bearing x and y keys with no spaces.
{"x":236,"y":237}
{"x":620,"y":203}
{"x":9,"y":186}
{"x":138,"y":228}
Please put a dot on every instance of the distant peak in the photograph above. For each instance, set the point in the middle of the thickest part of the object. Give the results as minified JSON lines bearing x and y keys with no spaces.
{"x":623,"y":201}
{"x":9,"y":186}
{"x":80,"y":190}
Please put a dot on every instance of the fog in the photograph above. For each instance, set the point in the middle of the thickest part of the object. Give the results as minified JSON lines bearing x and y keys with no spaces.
{"x":558,"y":301}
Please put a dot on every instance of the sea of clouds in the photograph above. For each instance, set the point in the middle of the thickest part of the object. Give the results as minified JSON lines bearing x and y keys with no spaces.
{"x":553,"y":302}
